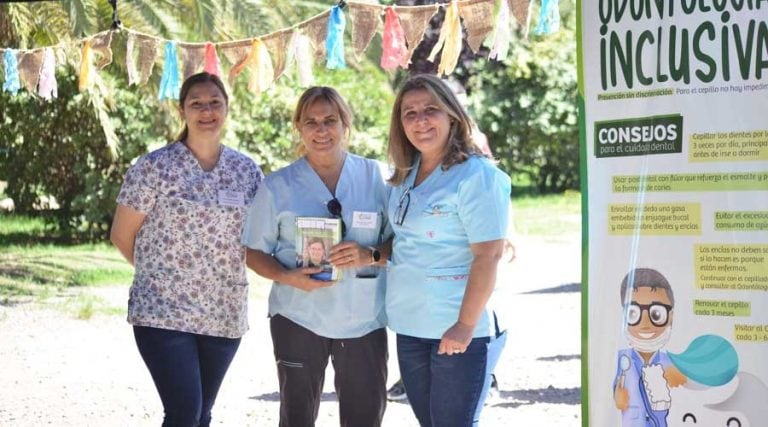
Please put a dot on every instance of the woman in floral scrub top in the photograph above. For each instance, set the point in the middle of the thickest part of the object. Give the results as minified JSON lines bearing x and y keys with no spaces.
{"x":179,"y":219}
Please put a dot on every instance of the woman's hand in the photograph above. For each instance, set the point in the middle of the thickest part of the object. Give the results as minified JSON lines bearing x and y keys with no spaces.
{"x":456,"y":339}
{"x":299,"y":278}
{"x":349,"y":254}
{"x":267,"y":266}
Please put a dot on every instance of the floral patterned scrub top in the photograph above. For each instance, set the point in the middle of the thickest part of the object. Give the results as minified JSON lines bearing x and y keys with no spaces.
{"x":190,"y":266}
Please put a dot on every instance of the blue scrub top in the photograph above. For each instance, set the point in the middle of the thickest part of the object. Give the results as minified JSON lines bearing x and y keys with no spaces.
{"x":448,"y":211}
{"x":354,"y":306}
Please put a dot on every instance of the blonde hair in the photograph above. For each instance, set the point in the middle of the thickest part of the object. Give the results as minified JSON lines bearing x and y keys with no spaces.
{"x":321,"y":94}
{"x":402,"y":153}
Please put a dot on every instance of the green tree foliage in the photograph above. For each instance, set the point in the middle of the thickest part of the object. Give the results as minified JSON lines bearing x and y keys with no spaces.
{"x":59,"y":149}
{"x":527,"y":107}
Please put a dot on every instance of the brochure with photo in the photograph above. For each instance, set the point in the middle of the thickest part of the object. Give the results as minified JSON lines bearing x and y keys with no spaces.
{"x":314,"y":238}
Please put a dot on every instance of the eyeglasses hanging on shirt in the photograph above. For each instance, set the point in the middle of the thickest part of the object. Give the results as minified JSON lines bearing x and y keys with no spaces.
{"x":334,"y":208}
{"x":402,"y":206}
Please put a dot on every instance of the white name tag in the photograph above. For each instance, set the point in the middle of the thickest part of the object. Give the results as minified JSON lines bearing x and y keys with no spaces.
{"x":231,"y":198}
{"x":364,"y":219}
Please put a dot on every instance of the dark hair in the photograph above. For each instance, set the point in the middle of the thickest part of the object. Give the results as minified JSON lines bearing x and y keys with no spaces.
{"x":191,"y":81}
{"x":646,"y":278}
{"x":460,"y":146}
{"x":325,"y":94}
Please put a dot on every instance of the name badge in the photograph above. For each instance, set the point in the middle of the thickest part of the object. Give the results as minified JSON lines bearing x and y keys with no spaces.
{"x":364,"y":219}
{"x":231,"y":198}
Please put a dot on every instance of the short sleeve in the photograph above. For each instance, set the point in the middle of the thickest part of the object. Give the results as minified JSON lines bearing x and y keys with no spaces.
{"x":256,"y":180}
{"x":137,"y":191}
{"x":484,"y":203}
{"x":261,"y":228}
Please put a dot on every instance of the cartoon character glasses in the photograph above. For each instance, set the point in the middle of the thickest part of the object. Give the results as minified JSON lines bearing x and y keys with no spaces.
{"x":658,"y":313}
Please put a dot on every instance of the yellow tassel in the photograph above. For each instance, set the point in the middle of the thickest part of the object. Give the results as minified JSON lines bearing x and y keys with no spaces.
{"x":263,"y":73}
{"x":85,"y":67}
{"x":449,"y":41}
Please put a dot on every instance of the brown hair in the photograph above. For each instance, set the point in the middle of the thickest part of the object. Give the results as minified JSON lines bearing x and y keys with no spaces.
{"x":646,"y":278}
{"x":400,"y":150}
{"x":191,"y":81}
{"x":323,"y":94}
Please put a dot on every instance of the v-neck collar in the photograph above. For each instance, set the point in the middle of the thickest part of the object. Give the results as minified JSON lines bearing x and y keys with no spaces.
{"x":189,"y":157}
{"x":411,"y":179}
{"x":319,"y":182}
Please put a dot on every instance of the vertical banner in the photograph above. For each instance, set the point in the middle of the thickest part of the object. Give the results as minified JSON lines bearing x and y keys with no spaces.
{"x":674,"y":146}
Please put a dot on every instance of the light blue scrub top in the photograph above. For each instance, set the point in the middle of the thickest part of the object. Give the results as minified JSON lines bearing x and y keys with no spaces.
{"x":354,"y":306}
{"x":448,"y":211}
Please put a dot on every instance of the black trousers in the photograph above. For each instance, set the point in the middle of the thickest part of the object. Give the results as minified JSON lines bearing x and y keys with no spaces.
{"x":360,"y":371}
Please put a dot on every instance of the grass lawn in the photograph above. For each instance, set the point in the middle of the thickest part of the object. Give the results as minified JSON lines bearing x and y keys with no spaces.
{"x":37,"y":268}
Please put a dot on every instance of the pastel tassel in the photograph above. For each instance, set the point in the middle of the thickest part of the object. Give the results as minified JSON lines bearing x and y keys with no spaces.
{"x":263,"y":74}
{"x":301,"y":49}
{"x":12,"y":83}
{"x":549,"y":18}
{"x":85,"y":67}
{"x":449,"y":41}
{"x":48,"y":88}
{"x":169,"y":83}
{"x":394,"y":50}
{"x":212,"y":63}
{"x":503,"y":34}
{"x":334,"y":43}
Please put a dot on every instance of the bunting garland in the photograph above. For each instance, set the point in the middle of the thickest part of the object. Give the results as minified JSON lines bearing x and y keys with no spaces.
{"x":267,"y":57}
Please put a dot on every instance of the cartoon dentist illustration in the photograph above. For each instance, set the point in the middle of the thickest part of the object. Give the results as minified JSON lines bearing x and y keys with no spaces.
{"x":645,"y":371}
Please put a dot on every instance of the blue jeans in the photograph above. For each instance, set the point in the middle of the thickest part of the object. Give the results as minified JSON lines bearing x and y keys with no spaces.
{"x":444,"y":391}
{"x":187,"y":370}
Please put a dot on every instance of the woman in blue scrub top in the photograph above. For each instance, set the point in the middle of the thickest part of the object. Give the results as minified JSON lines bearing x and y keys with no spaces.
{"x":449,"y":211}
{"x":312,"y":320}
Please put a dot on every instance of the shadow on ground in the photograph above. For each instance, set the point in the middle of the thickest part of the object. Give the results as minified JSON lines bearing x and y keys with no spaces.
{"x":561,"y":289}
{"x":517,"y":398}
{"x":275,"y":397}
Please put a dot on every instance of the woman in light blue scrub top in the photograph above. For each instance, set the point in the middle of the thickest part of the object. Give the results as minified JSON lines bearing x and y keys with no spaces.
{"x":313,"y":320}
{"x":449,"y":211}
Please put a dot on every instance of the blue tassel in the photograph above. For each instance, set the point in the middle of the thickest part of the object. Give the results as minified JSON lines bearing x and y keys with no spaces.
{"x":169,"y":84}
{"x":12,"y":83}
{"x":549,"y":18}
{"x":334,"y":43}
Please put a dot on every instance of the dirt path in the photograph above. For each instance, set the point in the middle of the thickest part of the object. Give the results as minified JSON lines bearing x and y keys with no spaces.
{"x":60,"y":371}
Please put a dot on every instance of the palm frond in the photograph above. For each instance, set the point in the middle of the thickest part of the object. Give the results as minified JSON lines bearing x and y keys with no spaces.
{"x":81,"y":16}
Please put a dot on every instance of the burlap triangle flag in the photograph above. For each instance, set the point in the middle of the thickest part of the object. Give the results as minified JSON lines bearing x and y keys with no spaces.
{"x":317,"y":31}
{"x":521,"y":10}
{"x":192,"y":57}
{"x":101,"y":46}
{"x":30,"y":63}
{"x":236,"y":53}
{"x":277,"y":45}
{"x":366,"y":22}
{"x":478,"y":20}
{"x":145,"y":57}
{"x":414,"y":21}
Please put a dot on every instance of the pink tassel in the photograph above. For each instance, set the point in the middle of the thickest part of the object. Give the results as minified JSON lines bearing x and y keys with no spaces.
{"x":212,"y":63}
{"x":394,"y":50}
{"x":48,"y":88}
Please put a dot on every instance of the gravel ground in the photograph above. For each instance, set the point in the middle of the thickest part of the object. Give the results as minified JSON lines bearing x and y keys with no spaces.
{"x":59,"y":371}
